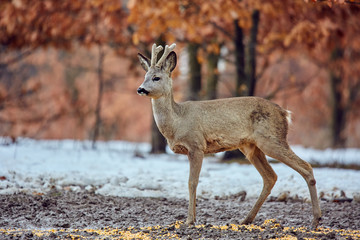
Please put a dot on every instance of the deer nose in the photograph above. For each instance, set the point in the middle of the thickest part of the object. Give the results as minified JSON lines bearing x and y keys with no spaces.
{"x":142,"y":91}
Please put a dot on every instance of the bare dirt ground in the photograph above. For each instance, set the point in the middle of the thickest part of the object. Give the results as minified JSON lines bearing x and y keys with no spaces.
{"x":69,"y":215}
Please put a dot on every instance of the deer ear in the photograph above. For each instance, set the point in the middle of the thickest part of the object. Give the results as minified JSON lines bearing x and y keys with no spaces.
{"x":170,"y":62}
{"x":144,"y":61}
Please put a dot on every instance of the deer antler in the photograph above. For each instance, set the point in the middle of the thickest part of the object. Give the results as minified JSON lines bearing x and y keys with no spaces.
{"x":155,"y":51}
{"x":166,"y":53}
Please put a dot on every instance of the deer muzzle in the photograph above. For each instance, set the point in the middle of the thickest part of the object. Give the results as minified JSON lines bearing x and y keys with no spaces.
{"x":142,"y":91}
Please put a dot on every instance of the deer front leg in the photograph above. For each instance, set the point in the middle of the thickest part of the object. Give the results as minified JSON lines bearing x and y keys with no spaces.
{"x":195,"y":159}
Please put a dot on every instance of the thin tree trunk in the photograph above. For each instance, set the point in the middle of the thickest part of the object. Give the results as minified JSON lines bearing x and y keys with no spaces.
{"x":158,"y":142}
{"x":250,"y":69}
{"x":338,"y":111}
{"x":239,"y":61}
{"x":213,"y":75}
{"x":100,"y":74}
{"x":195,"y":72}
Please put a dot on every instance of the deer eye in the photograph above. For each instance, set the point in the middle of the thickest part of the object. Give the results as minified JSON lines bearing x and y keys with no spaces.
{"x":155,"y":78}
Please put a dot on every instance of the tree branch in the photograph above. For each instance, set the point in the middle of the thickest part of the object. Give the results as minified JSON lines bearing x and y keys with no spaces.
{"x":226,"y":33}
{"x":17,"y":58}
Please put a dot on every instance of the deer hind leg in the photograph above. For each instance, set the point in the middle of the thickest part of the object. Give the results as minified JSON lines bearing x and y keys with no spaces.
{"x":282,"y":152}
{"x":257,"y":158}
{"x":195,"y":159}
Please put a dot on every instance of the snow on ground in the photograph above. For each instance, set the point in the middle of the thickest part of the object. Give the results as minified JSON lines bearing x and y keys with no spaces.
{"x":125,"y":169}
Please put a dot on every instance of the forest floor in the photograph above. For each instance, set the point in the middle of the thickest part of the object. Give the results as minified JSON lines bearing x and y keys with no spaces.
{"x":70,"y":215}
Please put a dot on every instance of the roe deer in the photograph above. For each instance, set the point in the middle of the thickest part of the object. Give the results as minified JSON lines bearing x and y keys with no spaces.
{"x":254,"y":125}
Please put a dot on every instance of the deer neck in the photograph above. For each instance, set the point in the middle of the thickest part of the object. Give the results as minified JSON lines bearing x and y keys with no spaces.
{"x":165,"y":111}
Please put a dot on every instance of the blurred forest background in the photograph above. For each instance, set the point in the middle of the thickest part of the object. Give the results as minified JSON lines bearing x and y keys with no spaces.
{"x":68,"y":69}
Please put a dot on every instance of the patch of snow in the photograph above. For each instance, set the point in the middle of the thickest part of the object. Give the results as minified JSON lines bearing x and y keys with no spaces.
{"x":346,"y":156}
{"x":117,"y":168}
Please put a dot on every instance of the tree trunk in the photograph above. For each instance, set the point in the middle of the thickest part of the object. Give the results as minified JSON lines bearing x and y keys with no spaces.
{"x":239,"y":60}
{"x":100,"y":74}
{"x":250,"y":69}
{"x":158,"y":142}
{"x":195,"y":72}
{"x":213,"y":75}
{"x":338,"y":111}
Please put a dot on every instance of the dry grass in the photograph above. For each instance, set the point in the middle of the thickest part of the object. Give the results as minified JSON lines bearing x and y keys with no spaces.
{"x":270,"y":229}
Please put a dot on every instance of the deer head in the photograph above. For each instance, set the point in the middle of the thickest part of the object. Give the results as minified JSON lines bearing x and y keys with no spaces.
{"x":157,"y":81}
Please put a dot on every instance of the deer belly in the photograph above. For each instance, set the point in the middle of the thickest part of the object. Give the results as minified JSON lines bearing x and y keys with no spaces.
{"x":218,"y":145}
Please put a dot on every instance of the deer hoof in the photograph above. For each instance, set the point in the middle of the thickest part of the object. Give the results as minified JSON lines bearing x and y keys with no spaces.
{"x":246,"y":221}
{"x":190,"y":222}
{"x":315,"y":223}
